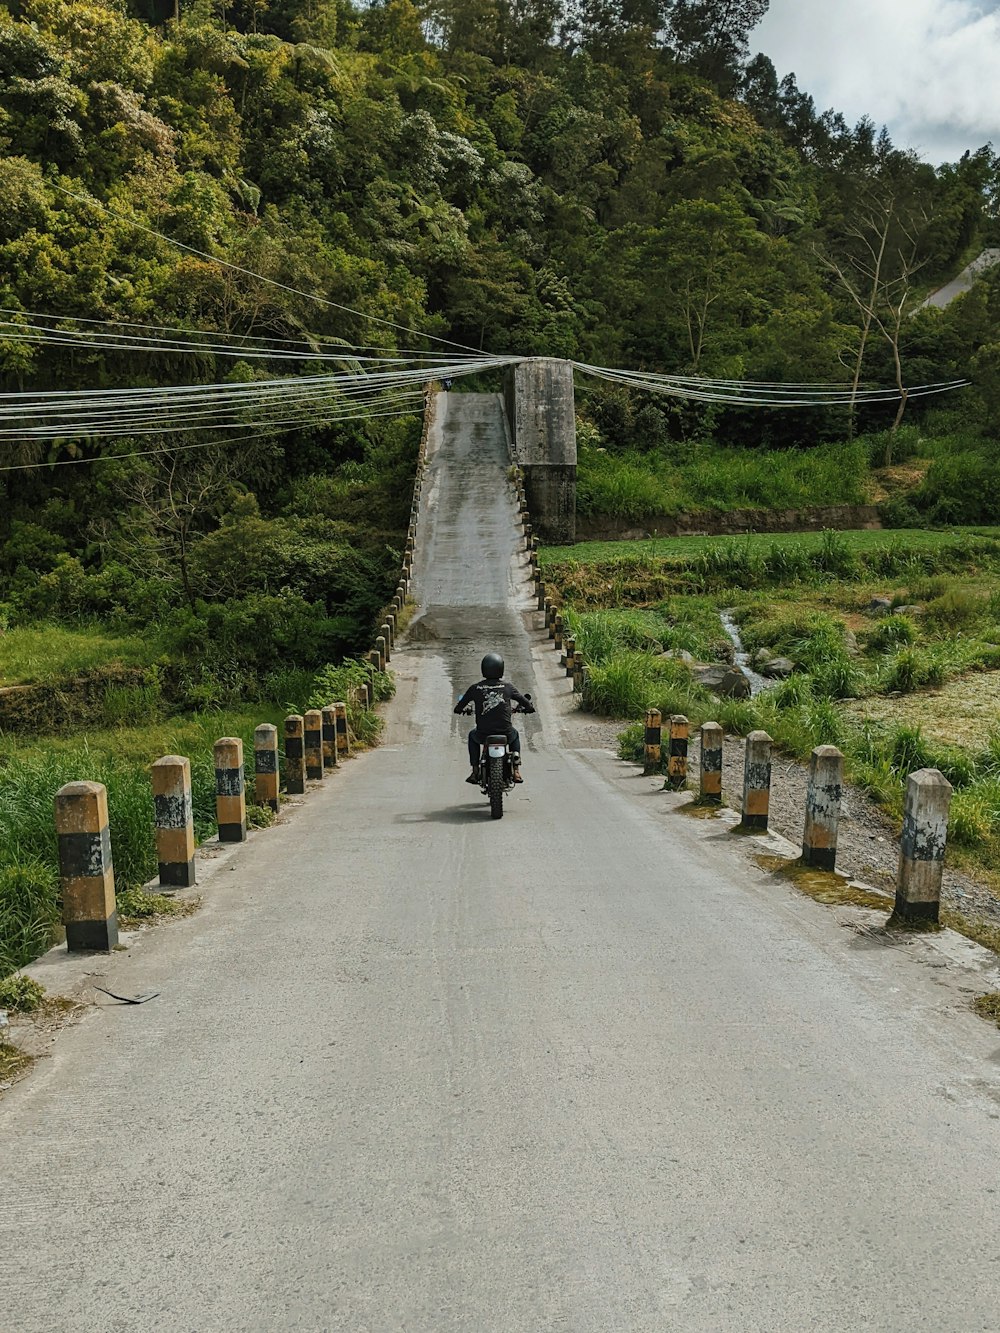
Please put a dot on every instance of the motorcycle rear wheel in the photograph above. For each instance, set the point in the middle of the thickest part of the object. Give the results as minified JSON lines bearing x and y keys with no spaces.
{"x":494,"y":781}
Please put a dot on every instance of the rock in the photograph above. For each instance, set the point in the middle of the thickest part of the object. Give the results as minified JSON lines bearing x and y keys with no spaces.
{"x":758,"y":658}
{"x":778,"y":668}
{"x":908,"y":611}
{"x":678,"y":655}
{"x":879,"y":606}
{"x":850,"y":643}
{"x":726,"y":681}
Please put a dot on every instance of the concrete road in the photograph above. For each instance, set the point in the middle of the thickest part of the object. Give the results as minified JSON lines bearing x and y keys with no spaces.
{"x":586,"y":1068}
{"x":963,"y":283}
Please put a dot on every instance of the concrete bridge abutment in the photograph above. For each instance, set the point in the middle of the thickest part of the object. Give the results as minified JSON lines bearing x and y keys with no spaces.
{"x":541,"y":414}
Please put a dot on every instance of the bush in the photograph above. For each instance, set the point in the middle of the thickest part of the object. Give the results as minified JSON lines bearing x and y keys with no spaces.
{"x":20,"y":994}
{"x":890,"y":634}
{"x":913,"y":669}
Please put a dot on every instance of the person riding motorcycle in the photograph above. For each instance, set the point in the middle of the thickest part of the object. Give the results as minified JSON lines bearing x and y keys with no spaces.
{"x":492,"y":699}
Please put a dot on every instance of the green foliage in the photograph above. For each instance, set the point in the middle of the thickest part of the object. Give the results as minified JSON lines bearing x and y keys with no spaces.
{"x":29,"y":912}
{"x":20,"y":994}
{"x":891,"y":633}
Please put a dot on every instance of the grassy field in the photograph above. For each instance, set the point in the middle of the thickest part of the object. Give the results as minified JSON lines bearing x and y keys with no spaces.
{"x":683,"y":548}
{"x":42,"y":653}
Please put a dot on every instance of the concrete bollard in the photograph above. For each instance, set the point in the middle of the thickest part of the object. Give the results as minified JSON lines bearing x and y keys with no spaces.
{"x":922,"y":848}
{"x":553,"y":613}
{"x":677,"y":755}
{"x":86,"y":872}
{"x":756,"y":782}
{"x":570,"y":655}
{"x":343,"y":735}
{"x":390,"y":624}
{"x":579,"y":662}
{"x":329,"y":736}
{"x":710,"y":780}
{"x":295,"y":756}
{"x":230,"y":796}
{"x":265,"y":766}
{"x":652,"y":746}
{"x":382,"y":648}
{"x":375,"y":659}
{"x":173,"y":815}
{"x":823,"y":796}
{"x":313,"y":721}
{"x":557,"y":632}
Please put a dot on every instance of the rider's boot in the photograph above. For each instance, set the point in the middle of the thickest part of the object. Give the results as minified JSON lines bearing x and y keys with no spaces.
{"x":473,"y":777}
{"x":515,"y":760}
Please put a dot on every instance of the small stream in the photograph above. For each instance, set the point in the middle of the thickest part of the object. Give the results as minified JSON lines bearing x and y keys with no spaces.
{"x":741,"y":657}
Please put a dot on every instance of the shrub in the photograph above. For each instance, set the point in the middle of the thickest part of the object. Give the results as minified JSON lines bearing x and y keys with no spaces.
{"x":890,"y":634}
{"x":20,"y":994}
{"x":954,"y":609}
{"x":913,"y":669}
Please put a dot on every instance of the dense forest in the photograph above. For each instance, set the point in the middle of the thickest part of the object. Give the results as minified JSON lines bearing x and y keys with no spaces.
{"x":616,"y":183}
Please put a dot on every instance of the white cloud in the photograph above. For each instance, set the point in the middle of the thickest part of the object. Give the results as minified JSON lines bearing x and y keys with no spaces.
{"x":926,"y":68}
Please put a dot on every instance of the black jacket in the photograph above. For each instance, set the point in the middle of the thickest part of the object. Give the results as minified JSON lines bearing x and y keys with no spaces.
{"x":492,"y":699}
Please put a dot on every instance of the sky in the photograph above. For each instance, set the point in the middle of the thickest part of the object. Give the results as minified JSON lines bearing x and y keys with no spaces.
{"x":928,"y":69}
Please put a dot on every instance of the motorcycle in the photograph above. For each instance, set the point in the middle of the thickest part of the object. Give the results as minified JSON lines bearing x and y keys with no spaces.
{"x":496,"y":770}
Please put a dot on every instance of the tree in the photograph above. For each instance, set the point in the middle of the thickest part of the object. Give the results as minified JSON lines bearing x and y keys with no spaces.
{"x":712,"y":36}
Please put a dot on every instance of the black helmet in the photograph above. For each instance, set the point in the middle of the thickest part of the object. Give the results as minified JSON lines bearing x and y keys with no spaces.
{"x":492,"y":666}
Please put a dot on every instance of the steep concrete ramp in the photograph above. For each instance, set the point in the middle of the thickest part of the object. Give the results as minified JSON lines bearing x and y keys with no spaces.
{"x":586,"y":1068}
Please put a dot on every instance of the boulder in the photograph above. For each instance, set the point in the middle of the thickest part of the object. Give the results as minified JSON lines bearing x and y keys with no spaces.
{"x":728,"y":682}
{"x":678,"y":655}
{"x":778,"y":668}
{"x":850,"y":643}
{"x":879,"y":606}
{"x":908,"y":611}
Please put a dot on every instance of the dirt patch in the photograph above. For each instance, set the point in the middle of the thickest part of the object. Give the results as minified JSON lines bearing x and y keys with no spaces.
{"x":963,"y":712}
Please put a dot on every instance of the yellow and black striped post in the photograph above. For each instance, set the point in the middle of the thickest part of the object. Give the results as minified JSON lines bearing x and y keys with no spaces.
{"x":570,"y":655}
{"x":86,"y":873}
{"x":677,"y":754}
{"x":557,"y":632}
{"x":230,"y":795}
{"x":823,"y":796}
{"x":654,"y":735}
{"x":265,"y":766}
{"x":329,"y":736}
{"x":756,"y":782}
{"x":922,"y":848}
{"x":579,"y":661}
{"x":173,"y":815}
{"x":343,"y":735}
{"x":313,"y":721}
{"x":295,"y":754}
{"x":553,"y":612}
{"x":710,"y":780}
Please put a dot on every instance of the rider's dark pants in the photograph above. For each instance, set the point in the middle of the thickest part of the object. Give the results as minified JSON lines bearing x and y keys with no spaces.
{"x":475,"y":741}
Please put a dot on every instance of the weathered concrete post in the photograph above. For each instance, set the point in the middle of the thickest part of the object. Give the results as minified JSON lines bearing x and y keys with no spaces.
{"x":385,"y":638}
{"x":756,"y":782}
{"x":390,"y":624}
{"x":295,"y":761}
{"x":570,"y":655}
{"x":314,"y":744}
{"x":86,"y":872}
{"x":579,"y":662}
{"x":823,"y":797}
{"x":329,"y":736}
{"x":382,"y":648}
{"x":173,"y":814}
{"x":230,"y":796}
{"x":539,"y":400}
{"x":343,"y":735}
{"x":265,"y":766}
{"x":710,"y":780}
{"x":677,"y":756}
{"x":557,"y":632}
{"x":653,"y":740}
{"x":922,"y":847}
{"x":375,"y":659}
